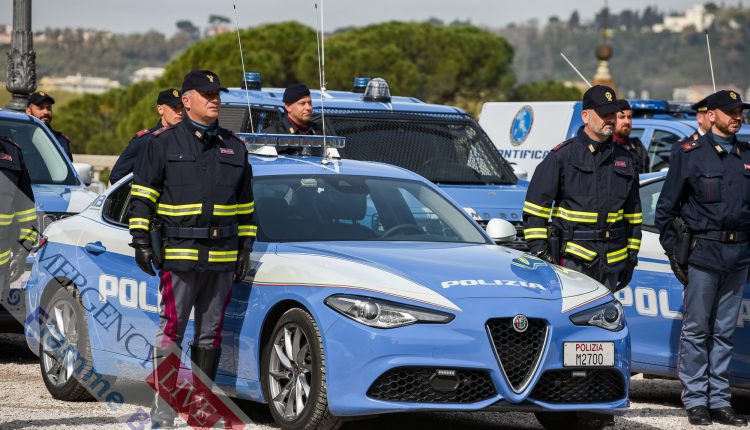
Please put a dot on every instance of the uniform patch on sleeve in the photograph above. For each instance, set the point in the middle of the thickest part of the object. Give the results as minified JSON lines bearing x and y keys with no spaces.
{"x":7,"y":157}
{"x":620,"y":163}
{"x":143,"y":132}
{"x":687,"y":147}
{"x":562,"y":144}
{"x":227,"y":151}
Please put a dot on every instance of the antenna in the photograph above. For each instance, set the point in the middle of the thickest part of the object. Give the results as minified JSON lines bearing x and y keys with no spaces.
{"x":242,"y":59}
{"x":322,"y":75}
{"x":710,"y":61}
{"x":575,"y":69}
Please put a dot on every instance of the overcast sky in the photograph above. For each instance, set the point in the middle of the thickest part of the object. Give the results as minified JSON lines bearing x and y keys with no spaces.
{"x":129,"y":16}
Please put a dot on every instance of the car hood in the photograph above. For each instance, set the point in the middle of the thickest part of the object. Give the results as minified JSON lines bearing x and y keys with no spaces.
{"x":490,"y":201}
{"x":437,"y":273}
{"x":62,"y":198}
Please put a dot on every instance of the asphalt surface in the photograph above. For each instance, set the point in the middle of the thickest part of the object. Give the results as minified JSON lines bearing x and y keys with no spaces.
{"x":26,"y":404}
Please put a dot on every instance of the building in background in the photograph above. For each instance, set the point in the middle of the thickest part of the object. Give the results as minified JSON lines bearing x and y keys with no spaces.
{"x":693,"y":93}
{"x":146,"y":74}
{"x":697,"y":17}
{"x":78,"y":84}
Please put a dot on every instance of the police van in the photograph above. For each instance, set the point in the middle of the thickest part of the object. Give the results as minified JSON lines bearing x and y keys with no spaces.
{"x":444,"y":144}
{"x":59,"y":191}
{"x":524,"y":132}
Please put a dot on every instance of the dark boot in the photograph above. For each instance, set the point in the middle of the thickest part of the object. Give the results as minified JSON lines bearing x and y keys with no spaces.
{"x":207,"y":360}
{"x":165,"y":379}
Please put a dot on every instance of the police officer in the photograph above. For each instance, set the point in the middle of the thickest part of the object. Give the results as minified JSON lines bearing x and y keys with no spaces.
{"x":194,"y":179}
{"x":17,"y":214}
{"x":298,"y":117}
{"x":632,"y":144}
{"x":708,"y":189}
{"x":701,"y":118}
{"x":40,"y":106}
{"x":169,"y":107}
{"x":589,"y":188}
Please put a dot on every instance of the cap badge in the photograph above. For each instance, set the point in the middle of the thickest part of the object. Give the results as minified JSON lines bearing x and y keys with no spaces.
{"x":41,"y":93}
{"x":210,"y":78}
{"x":608,"y":95}
{"x":175,"y":93}
{"x":733,"y":95}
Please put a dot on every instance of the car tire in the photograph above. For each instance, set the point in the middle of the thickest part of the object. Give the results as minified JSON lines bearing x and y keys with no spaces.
{"x":297,"y":376}
{"x":64,"y":350}
{"x":571,"y":420}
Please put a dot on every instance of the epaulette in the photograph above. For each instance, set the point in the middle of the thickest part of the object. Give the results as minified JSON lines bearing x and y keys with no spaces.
{"x":163,"y":129}
{"x":689,"y":146}
{"x":9,"y":140}
{"x":562,"y":144}
{"x":143,"y":132}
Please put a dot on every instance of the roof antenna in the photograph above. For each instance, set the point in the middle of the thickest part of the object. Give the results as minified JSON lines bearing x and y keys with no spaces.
{"x":322,"y":74}
{"x":242,"y":59}
{"x":710,"y":61}
{"x":576,"y":69}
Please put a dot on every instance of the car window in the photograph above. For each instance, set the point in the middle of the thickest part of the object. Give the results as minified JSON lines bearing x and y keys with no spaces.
{"x":649,"y":196}
{"x":660,"y":148}
{"x":637,"y":132}
{"x":43,"y":158}
{"x":115,"y":208}
{"x":355,"y":208}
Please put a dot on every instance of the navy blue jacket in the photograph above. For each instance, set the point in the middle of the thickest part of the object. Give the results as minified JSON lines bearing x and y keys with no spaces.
{"x":64,"y":142}
{"x":129,"y":156}
{"x":709,"y":188}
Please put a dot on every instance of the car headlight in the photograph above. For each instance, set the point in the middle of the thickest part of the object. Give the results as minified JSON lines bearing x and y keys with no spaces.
{"x":383,"y":313}
{"x":607,"y":316}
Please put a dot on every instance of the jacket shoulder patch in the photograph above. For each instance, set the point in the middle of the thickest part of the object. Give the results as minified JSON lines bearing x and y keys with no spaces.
{"x":143,"y":132}
{"x":163,"y":129}
{"x":560,"y":145}
{"x":689,"y":146}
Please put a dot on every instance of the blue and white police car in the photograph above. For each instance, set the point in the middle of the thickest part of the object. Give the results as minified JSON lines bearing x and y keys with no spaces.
{"x":59,"y":191}
{"x":371,"y":292}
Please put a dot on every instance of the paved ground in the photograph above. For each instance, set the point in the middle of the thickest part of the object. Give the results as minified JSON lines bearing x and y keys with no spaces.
{"x":26,"y":404}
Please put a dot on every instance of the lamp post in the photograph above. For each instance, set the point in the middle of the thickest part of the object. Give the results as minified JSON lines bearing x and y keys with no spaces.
{"x":21,"y":73}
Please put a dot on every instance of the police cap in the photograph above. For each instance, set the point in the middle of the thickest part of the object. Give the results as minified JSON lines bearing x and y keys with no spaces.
{"x":170,"y":97}
{"x":201,"y":80}
{"x":295,"y":92}
{"x":725,"y":100}
{"x":39,"y":97}
{"x":700,"y":105}
{"x":624,"y":105}
{"x":602,"y":99}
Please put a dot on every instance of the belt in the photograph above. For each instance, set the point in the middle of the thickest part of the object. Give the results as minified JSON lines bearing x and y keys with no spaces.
{"x":604,"y":235}
{"x":724,"y":236}
{"x":201,"y":232}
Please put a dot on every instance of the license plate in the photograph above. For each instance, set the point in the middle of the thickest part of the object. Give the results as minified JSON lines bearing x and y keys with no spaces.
{"x":588,"y":354}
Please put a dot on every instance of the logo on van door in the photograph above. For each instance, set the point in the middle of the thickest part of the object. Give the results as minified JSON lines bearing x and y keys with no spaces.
{"x":521,"y":126}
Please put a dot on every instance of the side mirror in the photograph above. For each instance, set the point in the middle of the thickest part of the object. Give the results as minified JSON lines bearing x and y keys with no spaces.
{"x":501,"y":231}
{"x":85,"y":171}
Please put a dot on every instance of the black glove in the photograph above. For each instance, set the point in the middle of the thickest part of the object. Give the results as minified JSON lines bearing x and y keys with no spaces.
{"x":680,"y":270}
{"x":144,"y":255}
{"x":243,"y":265}
{"x":546,"y":256}
{"x":627,"y":275}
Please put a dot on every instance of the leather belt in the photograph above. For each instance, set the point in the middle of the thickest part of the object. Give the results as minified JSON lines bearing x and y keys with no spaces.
{"x":724,"y":236}
{"x":603,"y":235}
{"x":201,"y":232}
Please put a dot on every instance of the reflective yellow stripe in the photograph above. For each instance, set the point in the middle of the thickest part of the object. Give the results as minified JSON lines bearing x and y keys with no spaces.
{"x":4,"y":257}
{"x":247,"y":230}
{"x":534,"y":209}
{"x":245,"y":208}
{"x":535,"y":233}
{"x":179,"y":210}
{"x":222,"y":256}
{"x":139,"y":223}
{"x":28,"y":234}
{"x":6,"y":219}
{"x":636,"y":218}
{"x":614,"y":217}
{"x":580,"y":251}
{"x":225,"y":210}
{"x":615,"y":256}
{"x":145,"y":192}
{"x":574,"y":216}
{"x":26,"y":215}
{"x":180,"y":254}
{"x":634,"y":244}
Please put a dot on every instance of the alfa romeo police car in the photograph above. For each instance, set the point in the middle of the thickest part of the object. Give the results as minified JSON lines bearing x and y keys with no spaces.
{"x":371,"y":292}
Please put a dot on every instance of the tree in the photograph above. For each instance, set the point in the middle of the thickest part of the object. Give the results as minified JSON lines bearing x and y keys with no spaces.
{"x":189,"y":29}
{"x":544,"y":91}
{"x":218,"y":19}
{"x":575,"y":20}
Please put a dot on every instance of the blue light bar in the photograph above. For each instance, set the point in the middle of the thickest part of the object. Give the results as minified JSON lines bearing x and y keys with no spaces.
{"x":360,"y":83}
{"x":290,"y":140}
{"x":251,"y":81}
{"x":649,"y":105}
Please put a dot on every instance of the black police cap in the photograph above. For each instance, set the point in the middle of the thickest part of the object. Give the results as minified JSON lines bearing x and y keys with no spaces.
{"x":201,"y":80}
{"x":725,"y":100}
{"x":602,"y":99}
{"x":624,"y":105}
{"x":701,"y":105}
{"x":171,"y":97}
{"x":295,"y":92}
{"x":39,"y":97}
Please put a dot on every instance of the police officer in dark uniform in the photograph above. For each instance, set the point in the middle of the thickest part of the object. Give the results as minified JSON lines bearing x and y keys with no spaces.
{"x":194,"y":179}
{"x":40,"y":106}
{"x":622,"y":137}
{"x":589,"y":187}
{"x":169,"y":107}
{"x":297,"y":120}
{"x":707,"y":189}
{"x":701,"y":118}
{"x":17,"y":214}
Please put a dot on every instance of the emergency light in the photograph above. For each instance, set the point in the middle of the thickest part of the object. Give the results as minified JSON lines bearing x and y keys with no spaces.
{"x":266,"y":144}
{"x":360,"y":84}
{"x":377,"y":91}
{"x":251,"y":81}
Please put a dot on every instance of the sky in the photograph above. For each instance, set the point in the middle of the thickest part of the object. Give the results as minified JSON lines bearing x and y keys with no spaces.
{"x":136,"y":16}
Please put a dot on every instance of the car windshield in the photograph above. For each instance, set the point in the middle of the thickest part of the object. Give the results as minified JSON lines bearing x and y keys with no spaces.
{"x":357,"y":208}
{"x":43,"y":158}
{"x":445,"y":150}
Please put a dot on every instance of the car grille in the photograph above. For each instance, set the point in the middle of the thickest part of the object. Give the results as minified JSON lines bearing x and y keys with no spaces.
{"x":519,"y":244}
{"x":518,"y":353}
{"x":592,"y":386}
{"x":412,"y":384}
{"x":44,"y":219}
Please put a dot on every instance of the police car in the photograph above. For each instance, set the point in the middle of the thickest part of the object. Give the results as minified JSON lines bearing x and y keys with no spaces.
{"x":441,"y":143}
{"x":371,"y":292}
{"x":59,"y":190}
{"x":654,"y":304}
